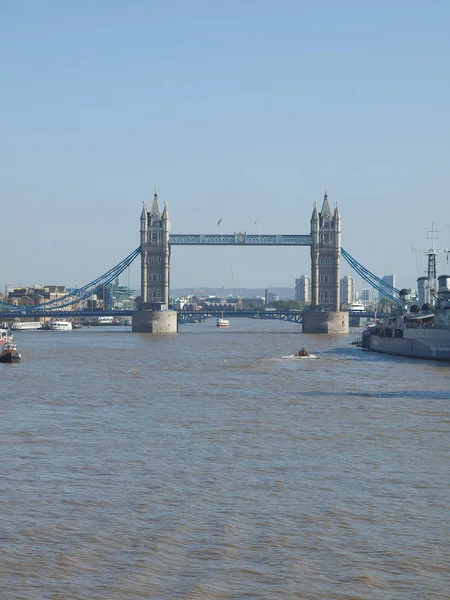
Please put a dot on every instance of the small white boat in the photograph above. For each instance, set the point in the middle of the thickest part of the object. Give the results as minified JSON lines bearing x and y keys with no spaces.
{"x":106,"y":320}
{"x":25,"y":325}
{"x":357,"y":307}
{"x":221,"y":322}
{"x":61,"y":325}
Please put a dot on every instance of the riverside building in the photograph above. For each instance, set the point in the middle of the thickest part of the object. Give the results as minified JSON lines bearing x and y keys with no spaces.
{"x":347,"y":291}
{"x":303,"y":289}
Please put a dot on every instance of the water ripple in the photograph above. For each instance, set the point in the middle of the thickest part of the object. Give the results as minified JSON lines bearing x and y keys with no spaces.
{"x":204,"y":466}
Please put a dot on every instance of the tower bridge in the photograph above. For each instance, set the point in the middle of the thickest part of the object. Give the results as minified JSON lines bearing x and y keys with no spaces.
{"x":324,"y":241}
{"x":156,"y":241}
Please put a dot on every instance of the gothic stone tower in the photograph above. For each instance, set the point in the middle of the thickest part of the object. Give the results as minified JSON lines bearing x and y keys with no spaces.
{"x":325,"y":256}
{"x":155,"y":256}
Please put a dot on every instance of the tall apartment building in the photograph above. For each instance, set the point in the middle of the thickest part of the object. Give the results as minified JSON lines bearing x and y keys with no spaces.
{"x":303,"y":289}
{"x":348,"y":286}
{"x":367,"y":296}
{"x":390,"y":280}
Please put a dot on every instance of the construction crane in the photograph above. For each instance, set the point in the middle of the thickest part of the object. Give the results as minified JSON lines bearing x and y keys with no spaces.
{"x":196,"y":292}
{"x":238,"y":296}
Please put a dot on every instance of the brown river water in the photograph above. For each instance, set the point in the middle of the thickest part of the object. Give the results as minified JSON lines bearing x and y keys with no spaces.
{"x":204,"y":465}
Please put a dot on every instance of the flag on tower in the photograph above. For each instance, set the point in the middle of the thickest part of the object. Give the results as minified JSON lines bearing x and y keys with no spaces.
{"x":219,"y":221}
{"x":257,"y":221}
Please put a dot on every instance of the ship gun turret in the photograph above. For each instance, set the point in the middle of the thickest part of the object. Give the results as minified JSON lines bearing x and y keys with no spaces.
{"x":442,"y":308}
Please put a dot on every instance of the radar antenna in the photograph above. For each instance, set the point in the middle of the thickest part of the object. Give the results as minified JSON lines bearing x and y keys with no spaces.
{"x":431,"y":271}
{"x":432,"y":235}
{"x":447,"y":251}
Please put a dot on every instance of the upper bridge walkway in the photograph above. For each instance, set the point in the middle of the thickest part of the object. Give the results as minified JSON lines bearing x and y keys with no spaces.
{"x":239,"y":239}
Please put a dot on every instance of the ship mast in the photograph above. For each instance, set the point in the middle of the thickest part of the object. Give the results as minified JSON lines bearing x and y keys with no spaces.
{"x":431,"y":271}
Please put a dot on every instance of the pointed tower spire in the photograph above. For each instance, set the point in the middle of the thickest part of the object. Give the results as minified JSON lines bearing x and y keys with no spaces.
{"x":144,"y":211}
{"x":155,"y":211}
{"x":325,"y":206}
{"x":165,"y":213}
{"x":336,"y":214}
{"x":144,"y":224}
{"x":314,"y":219}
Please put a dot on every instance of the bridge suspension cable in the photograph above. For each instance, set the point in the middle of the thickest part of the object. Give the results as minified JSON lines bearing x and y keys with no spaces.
{"x":382,"y":286}
{"x":78,"y":294}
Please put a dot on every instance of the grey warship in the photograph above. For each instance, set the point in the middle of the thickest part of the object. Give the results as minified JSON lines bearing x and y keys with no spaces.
{"x":411,"y":330}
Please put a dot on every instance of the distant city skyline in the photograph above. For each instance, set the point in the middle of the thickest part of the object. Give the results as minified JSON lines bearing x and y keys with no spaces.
{"x":240,"y":113}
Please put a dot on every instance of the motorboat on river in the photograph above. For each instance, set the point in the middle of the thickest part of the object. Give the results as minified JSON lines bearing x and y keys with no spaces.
{"x":26,"y":325}
{"x":356,"y":307}
{"x":9,"y":352}
{"x":302,"y":353}
{"x":222,"y":322}
{"x":61,"y":325}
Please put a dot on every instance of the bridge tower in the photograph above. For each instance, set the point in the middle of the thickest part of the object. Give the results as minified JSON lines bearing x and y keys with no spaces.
{"x":325,"y":316}
{"x":154,"y":315}
{"x":155,"y":255}
{"x":325,"y":256}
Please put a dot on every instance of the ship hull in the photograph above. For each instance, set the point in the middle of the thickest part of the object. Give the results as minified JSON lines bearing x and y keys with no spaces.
{"x":434,"y":349}
{"x":9,"y":357}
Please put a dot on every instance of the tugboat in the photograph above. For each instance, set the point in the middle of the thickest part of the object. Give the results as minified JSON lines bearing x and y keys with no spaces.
{"x":9,"y":352}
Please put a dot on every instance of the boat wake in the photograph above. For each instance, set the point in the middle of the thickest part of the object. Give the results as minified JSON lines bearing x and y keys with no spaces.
{"x":300,"y":357}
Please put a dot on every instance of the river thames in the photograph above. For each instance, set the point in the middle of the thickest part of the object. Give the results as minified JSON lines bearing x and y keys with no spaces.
{"x":204,"y":465}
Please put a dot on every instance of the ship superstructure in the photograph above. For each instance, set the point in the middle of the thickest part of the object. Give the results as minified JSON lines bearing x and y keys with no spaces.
{"x":411,"y":330}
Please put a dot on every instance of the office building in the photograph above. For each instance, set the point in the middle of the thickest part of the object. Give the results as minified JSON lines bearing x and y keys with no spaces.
{"x":390,"y":280}
{"x":367,"y":296}
{"x":347,"y":290}
{"x":303,"y":289}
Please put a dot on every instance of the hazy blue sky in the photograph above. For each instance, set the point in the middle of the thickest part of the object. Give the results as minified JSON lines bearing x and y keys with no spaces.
{"x":242,"y":110}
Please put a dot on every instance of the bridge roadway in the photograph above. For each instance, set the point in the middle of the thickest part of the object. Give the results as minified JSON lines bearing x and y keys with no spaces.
{"x":294,"y":316}
{"x":184,"y":316}
{"x":18,"y":314}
